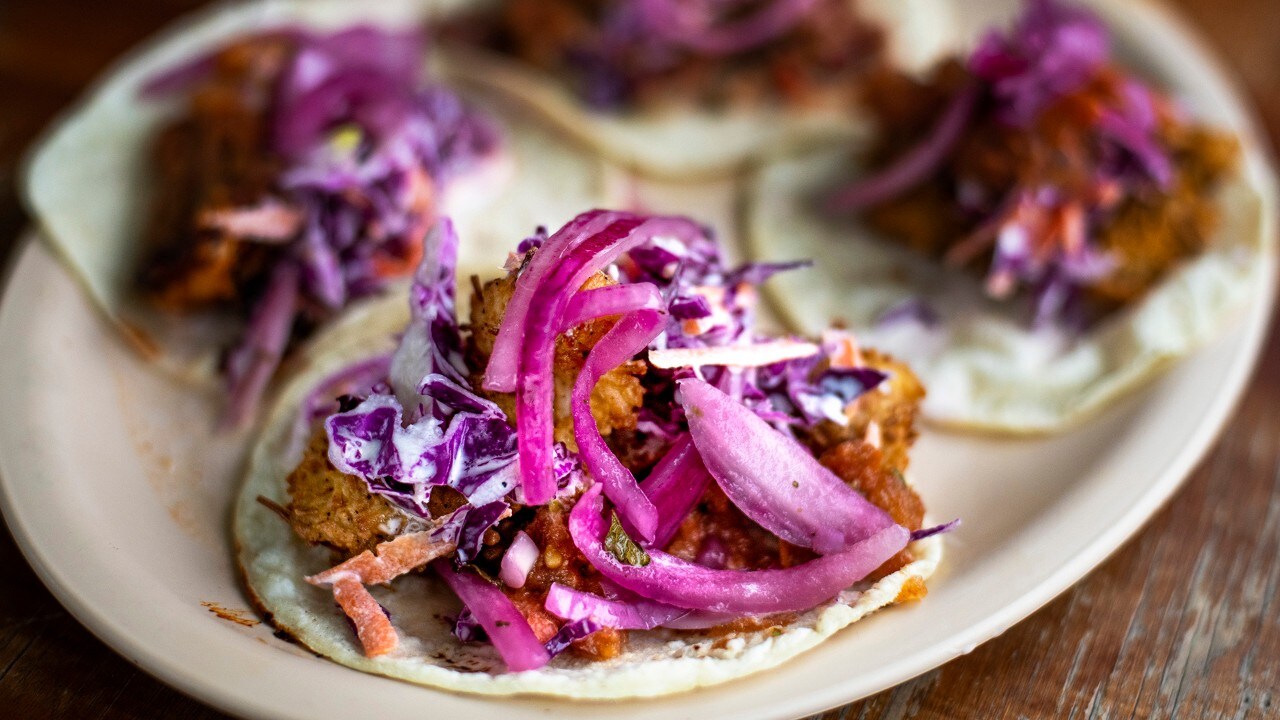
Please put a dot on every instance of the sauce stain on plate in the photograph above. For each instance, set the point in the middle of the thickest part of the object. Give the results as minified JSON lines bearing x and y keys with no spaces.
{"x":239,"y":617}
{"x":184,"y":460}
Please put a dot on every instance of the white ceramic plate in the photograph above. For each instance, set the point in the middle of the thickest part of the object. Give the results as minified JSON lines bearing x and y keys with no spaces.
{"x":118,"y":491}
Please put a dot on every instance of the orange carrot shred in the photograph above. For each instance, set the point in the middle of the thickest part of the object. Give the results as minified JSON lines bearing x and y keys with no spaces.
{"x":372,"y":626}
{"x":393,"y":559}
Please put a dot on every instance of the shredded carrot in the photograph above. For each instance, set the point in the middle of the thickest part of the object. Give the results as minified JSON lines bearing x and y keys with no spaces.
{"x":372,"y":625}
{"x":422,"y":200}
{"x":846,"y":353}
{"x":393,"y":559}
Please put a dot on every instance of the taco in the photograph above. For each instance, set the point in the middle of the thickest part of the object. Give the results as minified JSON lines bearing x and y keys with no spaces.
{"x":239,"y":182}
{"x":685,"y":90}
{"x":603,"y":485}
{"x":1037,"y":229}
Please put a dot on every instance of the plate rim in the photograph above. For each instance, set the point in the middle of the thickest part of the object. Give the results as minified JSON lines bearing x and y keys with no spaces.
{"x":1256,"y":326}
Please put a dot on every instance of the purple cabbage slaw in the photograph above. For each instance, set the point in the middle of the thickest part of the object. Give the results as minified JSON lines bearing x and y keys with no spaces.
{"x":366,"y":144}
{"x":633,"y":39}
{"x":709,"y":27}
{"x":428,"y":427}
{"x":1041,"y":234}
{"x":448,"y":435}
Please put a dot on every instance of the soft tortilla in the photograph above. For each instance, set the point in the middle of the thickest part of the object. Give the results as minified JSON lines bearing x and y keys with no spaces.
{"x":984,"y":366}
{"x":88,"y":183}
{"x":687,"y":144}
{"x":274,"y":562}
{"x":987,"y":371}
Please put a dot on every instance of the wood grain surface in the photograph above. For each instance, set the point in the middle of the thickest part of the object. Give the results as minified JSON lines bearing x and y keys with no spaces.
{"x":1184,"y":621}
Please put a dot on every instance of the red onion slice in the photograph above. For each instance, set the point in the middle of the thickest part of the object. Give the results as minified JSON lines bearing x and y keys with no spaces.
{"x":507,"y":628}
{"x":675,"y":485}
{"x":772,"y":478}
{"x":518,"y":561}
{"x":627,"y":337}
{"x":535,"y":392}
{"x":670,"y":580}
{"x":612,"y":300}
{"x":639,"y":614}
{"x":914,"y":166}
{"x":500,"y":374}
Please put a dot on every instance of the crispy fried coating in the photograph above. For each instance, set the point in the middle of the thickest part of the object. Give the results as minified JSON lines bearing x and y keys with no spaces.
{"x":213,"y":157}
{"x":329,"y":507}
{"x":560,"y":561}
{"x":1146,"y":233}
{"x":614,"y":400}
{"x":864,"y":468}
{"x":893,"y":406}
{"x":1149,"y":235}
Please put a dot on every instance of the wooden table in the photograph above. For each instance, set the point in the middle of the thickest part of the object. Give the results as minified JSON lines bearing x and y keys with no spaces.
{"x":1184,"y":620}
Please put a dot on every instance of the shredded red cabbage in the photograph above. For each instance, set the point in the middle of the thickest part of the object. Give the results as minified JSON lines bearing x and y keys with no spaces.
{"x":364,"y":145}
{"x":251,"y":364}
{"x":1052,"y":50}
{"x":432,"y":343}
{"x":467,"y":629}
{"x":450,"y":435}
{"x":1040,"y":231}
{"x":923,"y":533}
{"x":716,"y":27}
{"x":570,"y":633}
{"x":635,"y":38}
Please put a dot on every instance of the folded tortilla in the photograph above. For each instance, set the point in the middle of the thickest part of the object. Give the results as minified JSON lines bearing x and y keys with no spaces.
{"x":88,"y":183}
{"x":274,"y":562}
{"x":688,"y":143}
{"x":985,"y":366}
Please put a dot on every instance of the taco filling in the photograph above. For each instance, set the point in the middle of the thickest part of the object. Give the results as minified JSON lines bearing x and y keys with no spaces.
{"x":621,"y":55}
{"x":1044,"y":165}
{"x":299,"y":174}
{"x":607,"y":446}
